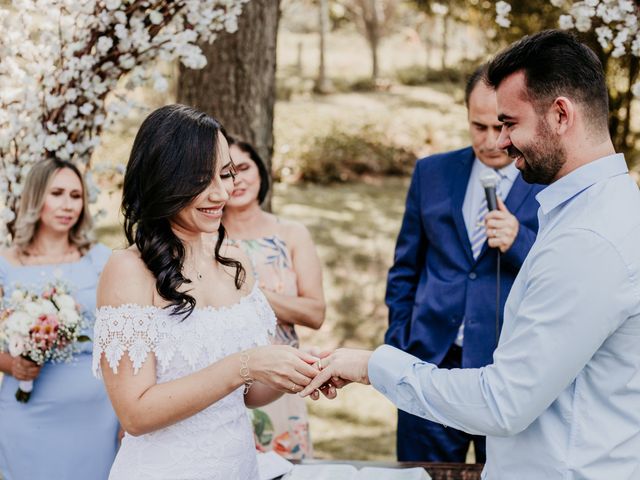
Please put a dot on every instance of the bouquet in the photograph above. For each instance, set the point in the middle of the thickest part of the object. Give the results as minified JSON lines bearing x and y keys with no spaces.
{"x":41,"y":327}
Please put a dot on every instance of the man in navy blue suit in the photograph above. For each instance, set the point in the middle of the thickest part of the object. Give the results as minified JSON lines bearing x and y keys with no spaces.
{"x":441,"y":289}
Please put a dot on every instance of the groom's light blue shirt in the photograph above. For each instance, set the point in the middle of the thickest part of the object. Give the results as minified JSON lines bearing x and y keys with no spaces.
{"x":562,"y":398}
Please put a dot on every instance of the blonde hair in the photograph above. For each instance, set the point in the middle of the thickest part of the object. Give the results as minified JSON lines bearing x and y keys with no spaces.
{"x":32,"y":199}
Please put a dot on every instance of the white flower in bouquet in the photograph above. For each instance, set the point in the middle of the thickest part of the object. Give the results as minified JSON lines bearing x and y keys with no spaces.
{"x":69,"y":317}
{"x":17,"y":346}
{"x":64,"y":301}
{"x":38,"y":307}
{"x":17,"y":296}
{"x":19,"y":323}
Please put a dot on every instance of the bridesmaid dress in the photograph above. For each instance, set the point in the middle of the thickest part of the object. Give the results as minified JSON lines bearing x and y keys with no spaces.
{"x":68,"y":429}
{"x":282,"y":426}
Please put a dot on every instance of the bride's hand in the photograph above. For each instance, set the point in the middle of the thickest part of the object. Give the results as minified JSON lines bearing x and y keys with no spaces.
{"x":282,"y":367}
{"x":343,"y":366}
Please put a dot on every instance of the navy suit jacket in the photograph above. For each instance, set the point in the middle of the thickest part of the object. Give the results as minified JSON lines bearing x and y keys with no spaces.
{"x":434,"y":282}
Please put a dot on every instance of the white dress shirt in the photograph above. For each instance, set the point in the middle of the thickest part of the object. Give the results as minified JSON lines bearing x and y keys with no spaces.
{"x":562,"y":399}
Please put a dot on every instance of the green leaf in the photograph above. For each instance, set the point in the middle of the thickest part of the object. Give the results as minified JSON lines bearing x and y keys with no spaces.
{"x":262,"y":426}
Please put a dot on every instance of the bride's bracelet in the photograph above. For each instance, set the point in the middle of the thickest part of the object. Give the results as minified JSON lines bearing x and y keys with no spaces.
{"x":245,"y":373}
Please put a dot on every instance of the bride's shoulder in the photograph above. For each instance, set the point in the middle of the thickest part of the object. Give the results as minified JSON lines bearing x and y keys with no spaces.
{"x":125,"y":280}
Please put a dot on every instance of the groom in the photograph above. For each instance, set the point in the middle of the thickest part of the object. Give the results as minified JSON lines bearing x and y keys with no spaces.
{"x":560,"y":400}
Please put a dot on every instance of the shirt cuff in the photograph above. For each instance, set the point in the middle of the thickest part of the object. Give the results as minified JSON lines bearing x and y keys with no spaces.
{"x":386,"y":367}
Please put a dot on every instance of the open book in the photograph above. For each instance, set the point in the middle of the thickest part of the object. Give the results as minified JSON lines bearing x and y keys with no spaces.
{"x":349,"y":472}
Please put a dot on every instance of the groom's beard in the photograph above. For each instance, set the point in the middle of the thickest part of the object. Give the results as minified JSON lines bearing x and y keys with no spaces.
{"x":542,"y":159}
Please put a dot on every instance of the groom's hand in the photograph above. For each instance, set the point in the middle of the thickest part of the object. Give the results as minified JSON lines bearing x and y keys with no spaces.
{"x":343,"y":366}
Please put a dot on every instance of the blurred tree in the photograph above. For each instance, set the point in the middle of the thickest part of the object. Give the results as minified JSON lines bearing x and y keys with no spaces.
{"x":238,"y":84}
{"x":450,"y":15}
{"x":322,"y":82}
{"x":525,"y":18}
{"x":374,"y":19}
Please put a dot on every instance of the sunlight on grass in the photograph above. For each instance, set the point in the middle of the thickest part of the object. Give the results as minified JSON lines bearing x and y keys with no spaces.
{"x":358,"y":425}
{"x":354,"y":227}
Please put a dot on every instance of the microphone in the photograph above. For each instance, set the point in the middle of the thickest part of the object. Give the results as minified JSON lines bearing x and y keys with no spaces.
{"x":489,"y":181}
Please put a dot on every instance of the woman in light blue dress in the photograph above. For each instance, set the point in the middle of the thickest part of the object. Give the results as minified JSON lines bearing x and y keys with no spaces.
{"x":67,"y":430}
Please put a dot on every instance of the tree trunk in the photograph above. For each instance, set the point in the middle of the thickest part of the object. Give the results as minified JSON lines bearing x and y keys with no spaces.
{"x":322,"y":85}
{"x":238,"y":84}
{"x":428,"y":44}
{"x":374,"y":39}
{"x":445,"y":41}
{"x":373,"y":43}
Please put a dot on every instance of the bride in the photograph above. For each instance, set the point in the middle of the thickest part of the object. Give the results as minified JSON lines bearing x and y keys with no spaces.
{"x":181,"y":334}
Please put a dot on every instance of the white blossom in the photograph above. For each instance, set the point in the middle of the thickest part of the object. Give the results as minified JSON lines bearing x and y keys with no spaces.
{"x":86,"y":109}
{"x":7,"y":215}
{"x":502,"y":8}
{"x":156,"y":17}
{"x":60,"y":72}
{"x":502,"y":12}
{"x":605,"y":35}
{"x":616,"y":21}
{"x":112,"y":4}
{"x":104,"y":44}
{"x":160,"y":83}
{"x":565,"y":22}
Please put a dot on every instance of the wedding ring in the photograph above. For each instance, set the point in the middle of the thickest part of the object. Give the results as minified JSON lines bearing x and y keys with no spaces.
{"x":293,"y":387}
{"x":320,"y":364}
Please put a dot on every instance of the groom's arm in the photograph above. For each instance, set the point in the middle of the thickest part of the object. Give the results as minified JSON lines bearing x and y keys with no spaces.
{"x":556,"y":330}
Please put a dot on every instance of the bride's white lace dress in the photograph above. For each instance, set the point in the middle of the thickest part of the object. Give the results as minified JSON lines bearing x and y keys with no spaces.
{"x":216,"y":443}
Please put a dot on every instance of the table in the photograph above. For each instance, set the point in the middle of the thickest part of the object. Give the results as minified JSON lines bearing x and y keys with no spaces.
{"x":438,"y":471}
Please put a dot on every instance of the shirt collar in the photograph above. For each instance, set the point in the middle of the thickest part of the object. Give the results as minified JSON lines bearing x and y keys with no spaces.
{"x":510,"y":171}
{"x":580,"y":179}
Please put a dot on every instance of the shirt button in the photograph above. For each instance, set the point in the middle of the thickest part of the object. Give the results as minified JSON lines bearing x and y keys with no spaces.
{"x":473,"y":275}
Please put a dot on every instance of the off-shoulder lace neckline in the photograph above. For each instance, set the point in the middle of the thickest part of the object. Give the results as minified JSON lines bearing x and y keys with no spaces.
{"x":207,"y":308}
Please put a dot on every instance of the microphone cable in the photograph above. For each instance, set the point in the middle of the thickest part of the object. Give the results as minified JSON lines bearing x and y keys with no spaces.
{"x":498,"y":261}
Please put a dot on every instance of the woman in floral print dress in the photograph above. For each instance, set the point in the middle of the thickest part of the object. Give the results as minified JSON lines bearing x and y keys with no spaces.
{"x":288,"y":270}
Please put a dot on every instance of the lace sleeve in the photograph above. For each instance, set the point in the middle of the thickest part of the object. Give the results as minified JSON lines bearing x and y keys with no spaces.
{"x":128,"y":328}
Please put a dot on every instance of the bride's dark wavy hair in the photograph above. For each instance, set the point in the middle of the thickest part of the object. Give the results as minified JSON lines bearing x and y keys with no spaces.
{"x":172,"y":161}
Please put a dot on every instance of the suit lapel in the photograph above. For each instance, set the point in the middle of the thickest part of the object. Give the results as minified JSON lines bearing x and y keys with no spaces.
{"x":517,"y":194}
{"x":460,"y":179}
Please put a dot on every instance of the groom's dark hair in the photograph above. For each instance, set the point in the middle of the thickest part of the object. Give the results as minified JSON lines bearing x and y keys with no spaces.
{"x":556,"y":64}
